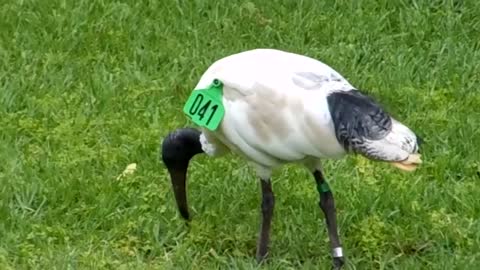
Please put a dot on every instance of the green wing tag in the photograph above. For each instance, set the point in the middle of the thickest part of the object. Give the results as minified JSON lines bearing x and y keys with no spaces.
{"x":205,"y":106}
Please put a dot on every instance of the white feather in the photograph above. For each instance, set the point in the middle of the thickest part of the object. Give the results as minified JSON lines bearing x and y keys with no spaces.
{"x":398,"y":145}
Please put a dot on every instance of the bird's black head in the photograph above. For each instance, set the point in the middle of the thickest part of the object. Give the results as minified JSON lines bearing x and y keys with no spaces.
{"x":180,"y":146}
{"x":177,"y":149}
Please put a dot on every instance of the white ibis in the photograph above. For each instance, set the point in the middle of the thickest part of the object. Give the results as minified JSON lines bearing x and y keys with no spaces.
{"x":274,"y":107}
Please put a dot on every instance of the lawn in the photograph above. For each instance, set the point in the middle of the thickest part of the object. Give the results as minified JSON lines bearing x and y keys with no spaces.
{"x":88,"y":87}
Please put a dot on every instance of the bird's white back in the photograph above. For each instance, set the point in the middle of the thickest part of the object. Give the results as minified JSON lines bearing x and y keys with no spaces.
{"x":275,"y":106}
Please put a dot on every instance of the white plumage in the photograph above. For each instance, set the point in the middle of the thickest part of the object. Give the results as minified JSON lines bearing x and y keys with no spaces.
{"x":276,"y":111}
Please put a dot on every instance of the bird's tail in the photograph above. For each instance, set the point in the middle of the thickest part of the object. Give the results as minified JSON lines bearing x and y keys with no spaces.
{"x":401,"y":147}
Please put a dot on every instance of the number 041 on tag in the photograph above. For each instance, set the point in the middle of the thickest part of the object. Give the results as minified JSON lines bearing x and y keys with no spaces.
{"x":205,"y":106}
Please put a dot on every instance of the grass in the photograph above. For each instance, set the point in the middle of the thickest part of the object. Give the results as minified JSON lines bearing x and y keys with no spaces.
{"x":88,"y":87}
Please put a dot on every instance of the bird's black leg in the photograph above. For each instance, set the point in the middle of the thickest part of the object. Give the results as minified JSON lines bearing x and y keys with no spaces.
{"x":177,"y":149}
{"x":327,"y":204}
{"x":268,"y":204}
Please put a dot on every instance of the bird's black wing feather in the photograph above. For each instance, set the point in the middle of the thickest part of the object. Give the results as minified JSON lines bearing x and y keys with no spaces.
{"x":357,"y":117}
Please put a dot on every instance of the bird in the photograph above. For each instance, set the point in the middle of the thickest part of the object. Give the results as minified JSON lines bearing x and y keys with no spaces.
{"x":281,"y":107}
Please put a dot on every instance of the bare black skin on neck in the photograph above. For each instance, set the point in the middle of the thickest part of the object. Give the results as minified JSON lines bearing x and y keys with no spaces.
{"x":357,"y":117}
{"x":178,"y":148}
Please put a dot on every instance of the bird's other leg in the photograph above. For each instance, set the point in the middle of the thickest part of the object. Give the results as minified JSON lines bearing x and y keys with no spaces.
{"x":268,"y":204}
{"x":178,"y":148}
{"x":327,"y":204}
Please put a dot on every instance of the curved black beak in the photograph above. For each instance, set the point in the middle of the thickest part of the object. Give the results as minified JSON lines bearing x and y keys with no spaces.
{"x":178,"y":148}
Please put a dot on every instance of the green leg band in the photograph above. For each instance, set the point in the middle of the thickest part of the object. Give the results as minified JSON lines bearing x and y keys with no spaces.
{"x":323,"y":187}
